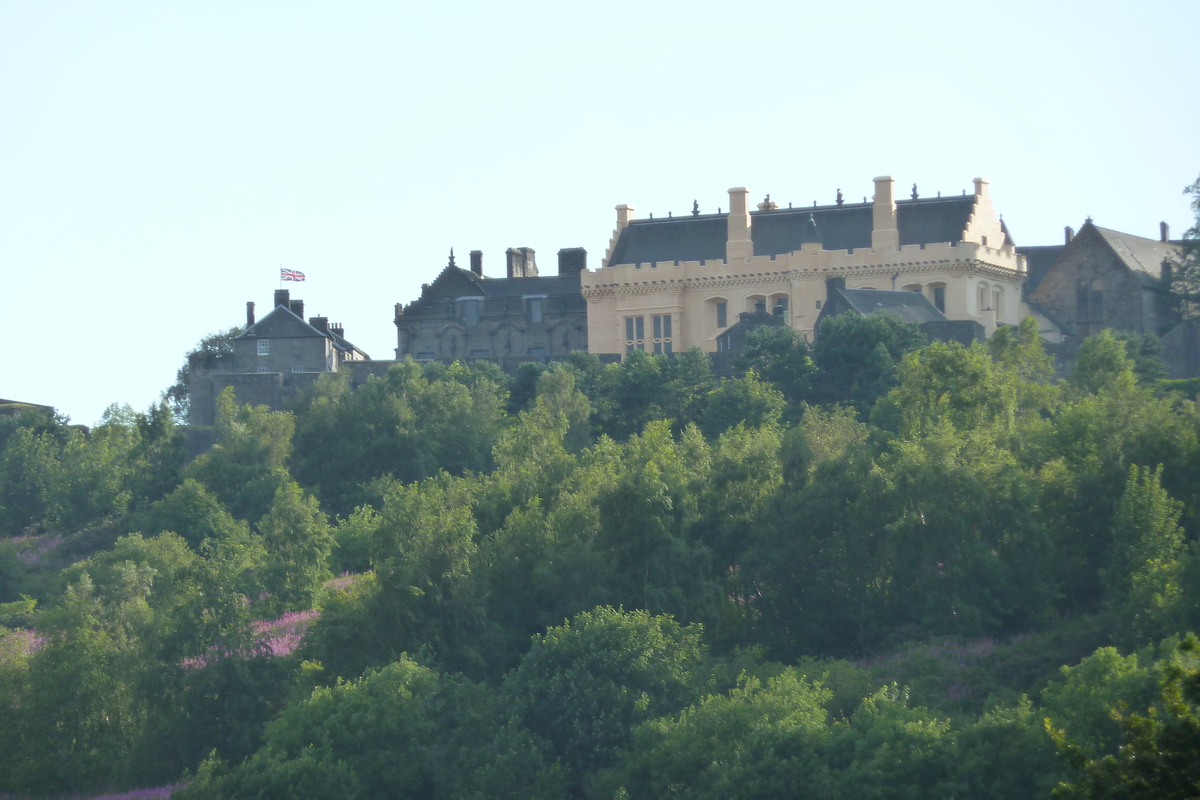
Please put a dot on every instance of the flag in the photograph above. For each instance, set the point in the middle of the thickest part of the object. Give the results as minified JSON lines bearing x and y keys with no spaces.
{"x":290,"y":274}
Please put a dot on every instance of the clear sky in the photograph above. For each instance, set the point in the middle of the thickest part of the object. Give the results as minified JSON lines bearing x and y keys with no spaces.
{"x":160,"y":161}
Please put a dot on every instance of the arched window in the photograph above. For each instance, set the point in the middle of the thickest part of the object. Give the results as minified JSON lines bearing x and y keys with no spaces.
{"x":779,"y":306}
{"x":937,"y":296}
{"x":717,"y":312}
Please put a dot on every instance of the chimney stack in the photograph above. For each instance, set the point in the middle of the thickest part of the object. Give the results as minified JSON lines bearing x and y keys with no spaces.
{"x":1164,"y":232}
{"x":249,"y":314}
{"x":281,"y":297}
{"x":624,"y":216}
{"x":884,"y":233}
{"x":297,"y":307}
{"x":738,"y":244}
{"x":520,"y":262}
{"x":337,"y":329}
{"x":477,"y":263}
{"x":320,"y":323}
{"x":1068,"y":234}
{"x":572,"y":261}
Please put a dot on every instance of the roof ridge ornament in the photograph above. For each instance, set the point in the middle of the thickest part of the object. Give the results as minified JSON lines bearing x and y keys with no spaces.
{"x":914,"y":192}
{"x":767,"y":205}
{"x":695,"y":208}
{"x":840,"y":199}
{"x":451,"y":264}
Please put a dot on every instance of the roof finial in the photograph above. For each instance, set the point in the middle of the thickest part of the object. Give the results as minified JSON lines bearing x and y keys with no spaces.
{"x":695,"y":208}
{"x":767,"y":205}
{"x":914,"y":192}
{"x":451,"y":257}
{"x":840,"y":199}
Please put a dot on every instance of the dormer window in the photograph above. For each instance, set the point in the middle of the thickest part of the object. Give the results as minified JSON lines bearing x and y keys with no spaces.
{"x":264,"y":347}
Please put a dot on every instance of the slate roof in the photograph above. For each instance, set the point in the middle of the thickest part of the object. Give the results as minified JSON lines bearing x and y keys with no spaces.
{"x":283,"y":323}
{"x":1144,"y":256}
{"x":911,"y":307}
{"x":453,"y":282}
{"x":845,"y":227}
{"x":1038,"y":260}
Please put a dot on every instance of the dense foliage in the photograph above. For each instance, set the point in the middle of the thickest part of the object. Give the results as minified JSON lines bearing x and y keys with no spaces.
{"x":872,"y":567}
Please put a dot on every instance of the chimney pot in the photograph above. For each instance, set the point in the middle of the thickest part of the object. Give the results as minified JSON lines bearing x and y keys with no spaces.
{"x":1164,"y":232}
{"x":249,"y":314}
{"x":477,"y":263}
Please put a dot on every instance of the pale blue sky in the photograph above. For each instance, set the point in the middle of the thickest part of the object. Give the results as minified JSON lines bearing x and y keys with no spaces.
{"x":160,"y":161}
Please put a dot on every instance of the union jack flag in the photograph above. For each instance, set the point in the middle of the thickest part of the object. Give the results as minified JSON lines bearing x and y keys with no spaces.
{"x":290,"y":274}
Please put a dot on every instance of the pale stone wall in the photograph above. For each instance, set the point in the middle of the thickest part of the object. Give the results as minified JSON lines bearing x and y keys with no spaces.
{"x":974,"y":275}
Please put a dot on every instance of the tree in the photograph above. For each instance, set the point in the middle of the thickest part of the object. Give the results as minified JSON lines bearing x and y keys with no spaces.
{"x":780,"y":355}
{"x":192,"y":512}
{"x":857,"y":356}
{"x":207,"y":354}
{"x":1161,"y":757}
{"x":585,"y":684}
{"x":1101,"y":364}
{"x":298,"y":541}
{"x":741,"y":401}
{"x":1184,"y":280}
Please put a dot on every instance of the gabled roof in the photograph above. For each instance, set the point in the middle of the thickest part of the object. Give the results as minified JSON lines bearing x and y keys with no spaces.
{"x":749,"y":321}
{"x":283,"y":323}
{"x":1038,"y":260}
{"x":454,"y":282}
{"x":845,"y":227}
{"x":910,"y":307}
{"x":1144,"y":257}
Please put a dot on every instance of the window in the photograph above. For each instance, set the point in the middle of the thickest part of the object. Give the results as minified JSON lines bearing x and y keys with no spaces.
{"x":984,"y":238}
{"x":264,"y":347}
{"x":780,"y":309}
{"x":479,"y":352}
{"x":662,"y":333}
{"x":535,"y":351}
{"x":535,"y":310}
{"x":982,"y":299}
{"x":470,"y":309}
{"x":264,"y":369}
{"x":635,"y":334}
{"x":996,"y":297}
{"x":1081,"y":303}
{"x":722,"y":318}
{"x":426,"y":355}
{"x":939,"y":298}
{"x":819,"y":305}
{"x":297,"y":369}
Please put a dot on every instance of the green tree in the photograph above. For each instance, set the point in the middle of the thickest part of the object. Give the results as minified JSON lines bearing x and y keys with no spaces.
{"x":741,"y":401}
{"x":192,"y":512}
{"x":780,"y":355}
{"x":586,"y":684}
{"x":298,"y":541}
{"x":248,"y":462}
{"x":857,"y":356}
{"x":1101,"y":364}
{"x":211,"y":351}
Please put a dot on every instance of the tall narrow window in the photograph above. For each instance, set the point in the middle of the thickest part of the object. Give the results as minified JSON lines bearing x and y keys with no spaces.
{"x":470,"y":312}
{"x":996,"y":297}
{"x":662,"y":333}
{"x":939,"y":298}
{"x":264,"y":347}
{"x":1097,"y":302}
{"x":780,"y":309}
{"x":635,"y":334}
{"x":1081,"y":303}
{"x":535,"y":310}
{"x":721,"y":318}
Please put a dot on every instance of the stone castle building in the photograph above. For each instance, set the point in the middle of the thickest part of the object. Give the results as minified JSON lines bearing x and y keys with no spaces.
{"x":523,"y":316}
{"x":272,"y":359}
{"x":669,"y":284}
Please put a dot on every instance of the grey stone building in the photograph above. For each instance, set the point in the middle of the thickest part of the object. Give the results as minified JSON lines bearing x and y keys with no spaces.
{"x":464,"y":314}
{"x":1102,"y":278}
{"x":909,"y":306}
{"x":273,"y":359}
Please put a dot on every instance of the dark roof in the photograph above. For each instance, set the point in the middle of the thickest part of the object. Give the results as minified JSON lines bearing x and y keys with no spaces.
{"x":283,"y":323}
{"x":749,"y":321}
{"x":1144,"y":256}
{"x":846,"y":227}
{"x":911,"y":307}
{"x":455,"y":282}
{"x":1038,"y":260}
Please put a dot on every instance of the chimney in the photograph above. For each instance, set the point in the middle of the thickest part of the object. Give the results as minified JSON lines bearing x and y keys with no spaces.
{"x":249,"y":314}
{"x":281,"y":297}
{"x":572,"y":261}
{"x":477,"y":263}
{"x":320,"y":323}
{"x":520,"y":262}
{"x":337,"y":330}
{"x":738,"y":244}
{"x":1068,"y":234}
{"x":981,"y":185}
{"x":624,"y":216}
{"x":884,"y":233}
{"x":297,"y":307}
{"x":1164,"y":232}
